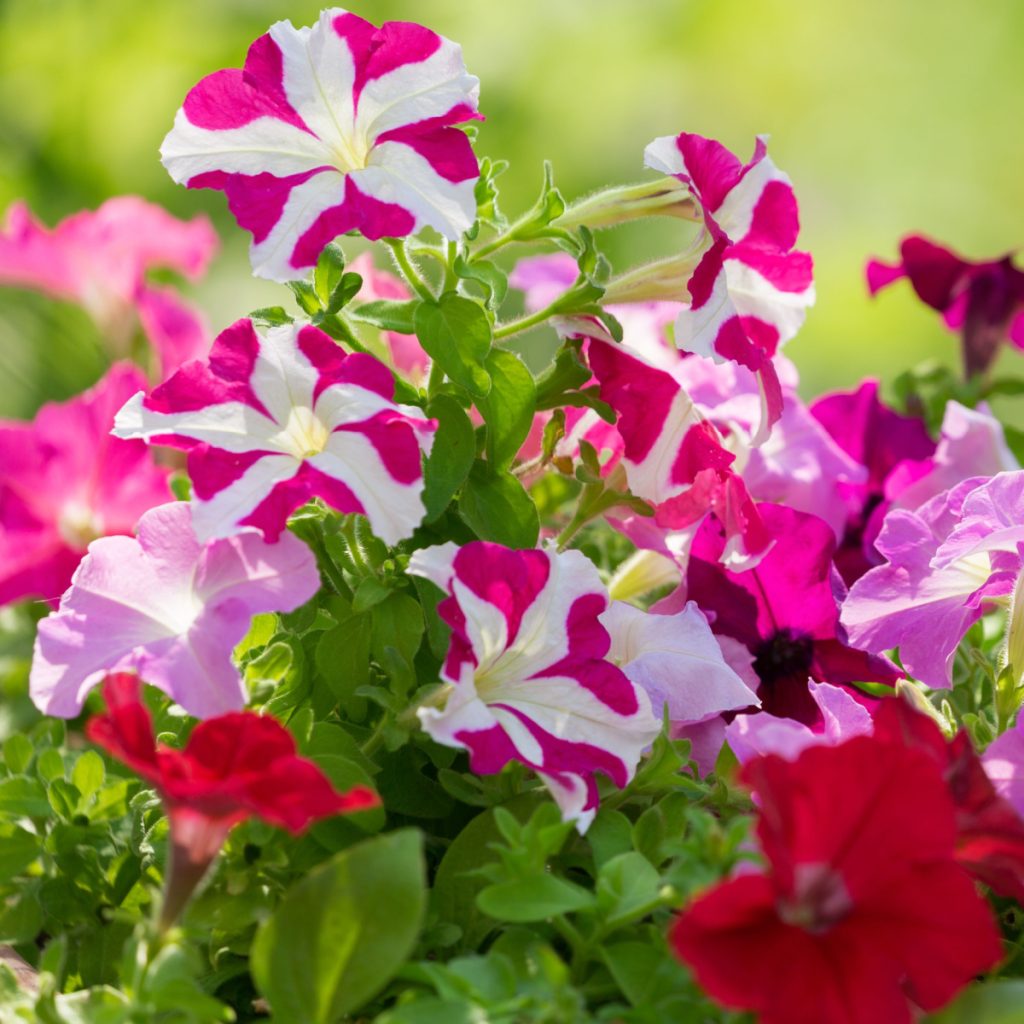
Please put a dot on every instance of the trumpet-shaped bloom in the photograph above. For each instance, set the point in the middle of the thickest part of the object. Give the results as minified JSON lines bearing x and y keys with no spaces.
{"x":528,"y":671}
{"x":784,"y":610}
{"x":271,"y":421}
{"x":750,"y":291}
{"x":330,"y":129}
{"x":673,"y":456}
{"x":862,"y":911}
{"x":678,"y":662}
{"x":169,"y":607}
{"x":984,"y":301}
{"x":64,"y":481}
{"x":99,"y":259}
{"x":233,"y":767}
{"x":946,"y":563}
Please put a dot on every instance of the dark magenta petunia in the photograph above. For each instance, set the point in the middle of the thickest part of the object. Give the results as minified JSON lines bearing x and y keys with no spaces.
{"x":862,"y":911}
{"x":784,"y":610}
{"x":233,"y":767}
{"x":982,"y":300}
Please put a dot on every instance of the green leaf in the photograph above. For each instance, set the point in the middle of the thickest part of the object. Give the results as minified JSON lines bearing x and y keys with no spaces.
{"x":88,"y":773}
{"x":488,"y":275}
{"x":343,"y":656}
{"x":371,"y":591}
{"x":388,"y":316}
{"x":610,"y":834}
{"x":18,"y":753}
{"x":496,"y":507}
{"x":456,"y":334}
{"x":330,"y":268}
{"x":342,"y":932}
{"x":533,"y":899}
{"x":997,"y":1002}
{"x":270,"y":316}
{"x":397,"y":633}
{"x":626,"y":885}
{"x":21,"y":796}
{"x":305,"y":296}
{"x":508,"y":409}
{"x":18,"y":849}
{"x":451,"y":456}
{"x":50,"y":765}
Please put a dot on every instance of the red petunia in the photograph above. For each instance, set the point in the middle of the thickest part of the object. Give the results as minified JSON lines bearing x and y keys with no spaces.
{"x":233,"y":767}
{"x":863,"y":910}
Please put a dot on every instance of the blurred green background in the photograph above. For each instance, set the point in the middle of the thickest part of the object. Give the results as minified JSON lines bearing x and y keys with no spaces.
{"x":890,"y":116}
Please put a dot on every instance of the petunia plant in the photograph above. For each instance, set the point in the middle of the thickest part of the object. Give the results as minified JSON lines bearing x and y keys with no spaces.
{"x":366,"y":663}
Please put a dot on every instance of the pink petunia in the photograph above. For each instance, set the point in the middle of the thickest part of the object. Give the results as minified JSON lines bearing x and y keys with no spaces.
{"x":100,"y":259}
{"x":947,"y":564}
{"x":528,"y":671}
{"x":983,"y":301}
{"x":64,"y":481}
{"x":169,"y":607}
{"x":339,"y":127}
{"x":750,"y":291}
{"x":271,"y":421}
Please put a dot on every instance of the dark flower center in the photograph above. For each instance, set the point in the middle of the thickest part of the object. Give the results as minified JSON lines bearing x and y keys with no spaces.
{"x":782,"y":663}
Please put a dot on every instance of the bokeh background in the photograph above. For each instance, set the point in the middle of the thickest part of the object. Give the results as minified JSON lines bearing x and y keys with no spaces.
{"x":890,"y":116}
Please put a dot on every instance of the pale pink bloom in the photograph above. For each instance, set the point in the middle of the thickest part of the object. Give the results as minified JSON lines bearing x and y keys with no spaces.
{"x":407,"y":355}
{"x":339,"y":127}
{"x":100,"y":259}
{"x":1004,"y":765}
{"x":528,"y":671}
{"x":677,"y":660}
{"x":273,"y":420}
{"x":750,"y":291}
{"x":947,"y":564}
{"x":752,"y":736}
{"x":169,"y":607}
{"x":64,"y":481}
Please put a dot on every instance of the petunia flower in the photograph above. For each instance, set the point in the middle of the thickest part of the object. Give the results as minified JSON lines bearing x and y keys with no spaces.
{"x":169,"y":607}
{"x":862,"y":912}
{"x":271,"y":421}
{"x":947,"y":563}
{"x":842,"y":717}
{"x":677,"y":661}
{"x":233,"y":767}
{"x":64,"y":481}
{"x":983,"y":301}
{"x":100,"y":259}
{"x":335,"y":128}
{"x":750,"y":291}
{"x":528,"y":671}
{"x":784,"y":611}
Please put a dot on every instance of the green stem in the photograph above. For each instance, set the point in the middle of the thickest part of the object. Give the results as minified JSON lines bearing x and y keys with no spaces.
{"x":576,"y":524}
{"x":577,"y":944}
{"x":450,"y":279}
{"x":412,"y":276}
{"x":373,"y":744}
{"x":435,"y":380}
{"x":524,"y":323}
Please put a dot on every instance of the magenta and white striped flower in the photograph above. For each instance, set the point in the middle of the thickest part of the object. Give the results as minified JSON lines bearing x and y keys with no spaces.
{"x":271,"y":421}
{"x":530,"y":680}
{"x":339,"y":127}
{"x":750,"y":291}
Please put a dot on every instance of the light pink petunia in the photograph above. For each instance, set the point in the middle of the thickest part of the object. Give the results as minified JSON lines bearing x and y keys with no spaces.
{"x":1004,"y":765}
{"x":64,"y":481}
{"x":100,"y":258}
{"x":677,"y":660}
{"x":528,"y":671}
{"x":168,"y":607}
{"x":330,"y":129}
{"x":274,"y":420}
{"x":947,"y":563}
{"x":752,"y":736}
{"x":750,"y":291}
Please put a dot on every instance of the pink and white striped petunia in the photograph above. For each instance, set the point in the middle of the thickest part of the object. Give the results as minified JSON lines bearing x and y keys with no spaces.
{"x":528,"y":671}
{"x":750,"y":291}
{"x":169,"y":607}
{"x":271,"y":421}
{"x":673,"y":456}
{"x":330,"y":129}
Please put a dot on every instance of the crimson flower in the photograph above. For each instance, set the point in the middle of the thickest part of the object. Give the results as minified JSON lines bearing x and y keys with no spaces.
{"x":863,"y":910}
{"x":984,"y":301}
{"x":233,"y":767}
{"x":990,"y":832}
{"x":784,"y":611}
